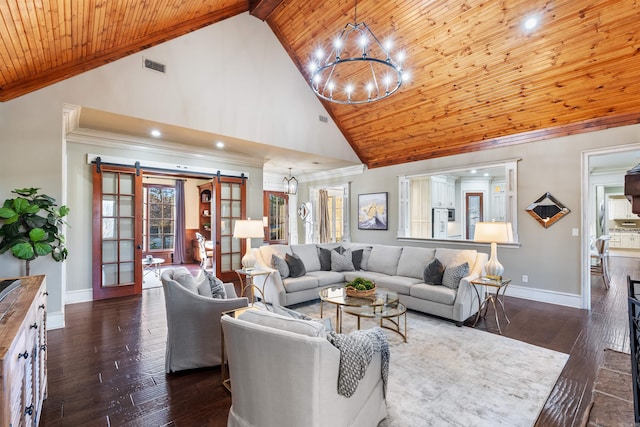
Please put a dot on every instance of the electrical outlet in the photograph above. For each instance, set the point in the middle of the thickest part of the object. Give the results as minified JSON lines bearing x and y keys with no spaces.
{"x":575,"y":232}
{"x":525,"y":278}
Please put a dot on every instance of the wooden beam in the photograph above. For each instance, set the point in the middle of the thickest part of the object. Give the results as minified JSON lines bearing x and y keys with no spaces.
{"x":262,"y":9}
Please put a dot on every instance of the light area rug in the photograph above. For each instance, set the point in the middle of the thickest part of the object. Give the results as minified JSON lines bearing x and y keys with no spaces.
{"x":458,"y":376}
{"x":150,"y":280}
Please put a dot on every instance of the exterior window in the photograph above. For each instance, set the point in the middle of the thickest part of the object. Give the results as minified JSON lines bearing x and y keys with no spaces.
{"x":159,"y":217}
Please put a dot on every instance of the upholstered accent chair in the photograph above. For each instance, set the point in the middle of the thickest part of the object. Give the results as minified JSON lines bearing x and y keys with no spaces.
{"x":193,"y":319}
{"x":284,"y":373}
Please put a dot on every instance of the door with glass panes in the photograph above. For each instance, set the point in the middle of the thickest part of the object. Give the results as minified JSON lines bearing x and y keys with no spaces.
{"x":117,"y":231}
{"x":229,"y":207}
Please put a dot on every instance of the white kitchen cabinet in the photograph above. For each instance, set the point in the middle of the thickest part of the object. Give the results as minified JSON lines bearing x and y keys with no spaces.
{"x":614,"y":242}
{"x":629,"y":241}
{"x":443,"y":192}
{"x":620,"y":208}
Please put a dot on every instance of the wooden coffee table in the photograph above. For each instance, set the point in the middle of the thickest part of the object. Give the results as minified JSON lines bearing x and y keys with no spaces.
{"x":382,"y":305}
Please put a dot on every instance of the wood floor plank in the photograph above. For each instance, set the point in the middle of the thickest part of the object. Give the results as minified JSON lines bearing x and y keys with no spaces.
{"x":106,"y":367}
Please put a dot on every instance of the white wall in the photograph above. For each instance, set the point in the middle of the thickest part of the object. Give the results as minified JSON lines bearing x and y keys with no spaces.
{"x":233,"y":78}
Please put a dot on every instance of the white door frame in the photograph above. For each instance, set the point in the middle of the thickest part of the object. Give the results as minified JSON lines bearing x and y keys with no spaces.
{"x":588,"y":214}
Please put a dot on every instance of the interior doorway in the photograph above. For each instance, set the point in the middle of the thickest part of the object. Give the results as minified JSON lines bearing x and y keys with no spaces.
{"x":473,"y":203}
{"x":603,"y":186}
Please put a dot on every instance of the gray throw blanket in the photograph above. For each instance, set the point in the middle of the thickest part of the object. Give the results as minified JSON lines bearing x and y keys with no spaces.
{"x":356,"y":352}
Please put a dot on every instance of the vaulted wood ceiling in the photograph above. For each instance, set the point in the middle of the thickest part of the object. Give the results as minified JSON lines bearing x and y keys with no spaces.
{"x":477,"y":79}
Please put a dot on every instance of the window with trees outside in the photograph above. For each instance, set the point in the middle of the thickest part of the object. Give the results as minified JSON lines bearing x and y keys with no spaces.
{"x":159,"y":217}
{"x":446,"y":204}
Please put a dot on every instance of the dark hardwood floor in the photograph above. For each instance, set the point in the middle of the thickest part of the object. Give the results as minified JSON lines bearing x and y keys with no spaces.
{"x":106,"y":368}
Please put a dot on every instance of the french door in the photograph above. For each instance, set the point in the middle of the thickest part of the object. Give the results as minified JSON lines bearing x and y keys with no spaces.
{"x":473,"y":212}
{"x":117,"y":231}
{"x":230,"y":206}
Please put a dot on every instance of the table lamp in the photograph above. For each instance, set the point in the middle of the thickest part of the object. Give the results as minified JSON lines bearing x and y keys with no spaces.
{"x":494,"y":233}
{"x":248,"y":229}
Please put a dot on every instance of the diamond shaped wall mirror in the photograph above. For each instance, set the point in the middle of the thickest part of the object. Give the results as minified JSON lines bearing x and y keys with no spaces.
{"x":547,"y":210}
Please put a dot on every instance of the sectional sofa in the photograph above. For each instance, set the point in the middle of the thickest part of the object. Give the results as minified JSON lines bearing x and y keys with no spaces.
{"x":399,"y":268}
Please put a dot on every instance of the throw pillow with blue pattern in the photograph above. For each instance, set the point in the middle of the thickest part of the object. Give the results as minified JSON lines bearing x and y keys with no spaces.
{"x":217,"y":287}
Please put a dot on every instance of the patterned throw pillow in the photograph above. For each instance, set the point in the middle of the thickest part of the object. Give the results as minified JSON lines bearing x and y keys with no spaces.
{"x":433,"y":273}
{"x":281,"y":265}
{"x":453,"y":275}
{"x":296,"y":266}
{"x":342,"y":262}
{"x":217,"y":287}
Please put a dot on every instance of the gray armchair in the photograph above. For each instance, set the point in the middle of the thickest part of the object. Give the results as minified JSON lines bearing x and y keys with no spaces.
{"x":193,"y":321}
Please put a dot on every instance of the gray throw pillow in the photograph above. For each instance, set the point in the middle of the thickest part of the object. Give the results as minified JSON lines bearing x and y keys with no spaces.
{"x":356,"y":258}
{"x":342,"y":262}
{"x":325,"y":257}
{"x":186,"y":280}
{"x":217,"y":287}
{"x":453,"y":275}
{"x":281,"y":265}
{"x":296,"y":266}
{"x":433,"y":273}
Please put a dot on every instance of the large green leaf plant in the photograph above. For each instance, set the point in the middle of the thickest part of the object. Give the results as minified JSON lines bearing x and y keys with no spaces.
{"x":31,"y":226}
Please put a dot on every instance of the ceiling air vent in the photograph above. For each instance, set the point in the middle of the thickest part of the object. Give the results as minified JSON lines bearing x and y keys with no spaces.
{"x":153,"y":65}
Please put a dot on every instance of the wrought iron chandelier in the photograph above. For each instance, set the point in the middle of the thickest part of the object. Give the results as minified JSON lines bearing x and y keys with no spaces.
{"x":290,"y":185}
{"x":359,"y":68}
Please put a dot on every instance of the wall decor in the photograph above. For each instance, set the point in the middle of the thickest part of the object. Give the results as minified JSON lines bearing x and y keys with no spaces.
{"x":547,"y":210}
{"x":372,"y":211}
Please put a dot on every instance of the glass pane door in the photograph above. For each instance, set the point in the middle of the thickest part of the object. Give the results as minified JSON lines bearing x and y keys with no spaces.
{"x":117,"y":232}
{"x":230,"y":206}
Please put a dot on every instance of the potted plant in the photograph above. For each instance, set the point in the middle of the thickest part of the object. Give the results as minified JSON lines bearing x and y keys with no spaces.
{"x":31,"y":226}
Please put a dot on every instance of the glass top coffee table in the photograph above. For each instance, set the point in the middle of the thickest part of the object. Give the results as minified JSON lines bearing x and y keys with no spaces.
{"x":382,"y":305}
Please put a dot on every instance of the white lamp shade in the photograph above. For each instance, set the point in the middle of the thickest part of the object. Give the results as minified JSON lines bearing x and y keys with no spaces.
{"x":493,"y":232}
{"x":248,"y":229}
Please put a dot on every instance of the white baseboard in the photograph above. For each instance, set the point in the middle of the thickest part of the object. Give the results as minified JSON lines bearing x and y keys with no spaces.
{"x":83,"y":295}
{"x":55,"y":320}
{"x":543,"y":295}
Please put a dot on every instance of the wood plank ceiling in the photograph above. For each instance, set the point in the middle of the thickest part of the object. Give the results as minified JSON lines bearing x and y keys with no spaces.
{"x":478,"y":80}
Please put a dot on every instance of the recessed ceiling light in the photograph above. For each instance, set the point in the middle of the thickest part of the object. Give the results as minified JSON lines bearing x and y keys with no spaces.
{"x":531,"y":23}
{"x":156,"y":133}
{"x":220,"y":144}
{"x":473,"y":171}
